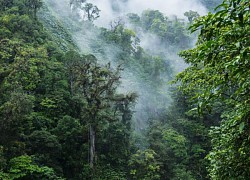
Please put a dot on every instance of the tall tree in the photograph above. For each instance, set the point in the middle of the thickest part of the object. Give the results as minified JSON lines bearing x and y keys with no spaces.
{"x":191,"y":15}
{"x":97,"y":85}
{"x":33,"y":6}
{"x":90,"y":11}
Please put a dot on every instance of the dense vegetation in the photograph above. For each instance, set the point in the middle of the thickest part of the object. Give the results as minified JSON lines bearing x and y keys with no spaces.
{"x":51,"y":101}
{"x":62,"y":116}
{"x":218,"y":78}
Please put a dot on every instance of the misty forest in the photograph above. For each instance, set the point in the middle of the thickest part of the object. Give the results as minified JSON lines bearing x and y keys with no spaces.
{"x":124,"y":89}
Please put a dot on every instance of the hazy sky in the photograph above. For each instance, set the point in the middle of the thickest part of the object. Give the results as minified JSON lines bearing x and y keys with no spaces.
{"x":168,"y":7}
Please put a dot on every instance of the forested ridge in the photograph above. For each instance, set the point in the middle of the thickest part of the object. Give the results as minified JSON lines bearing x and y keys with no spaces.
{"x":69,"y":108}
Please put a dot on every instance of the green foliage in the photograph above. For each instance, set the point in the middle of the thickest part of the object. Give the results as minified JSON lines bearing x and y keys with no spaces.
{"x":121,"y":36}
{"x":152,"y":17}
{"x":182,"y":173}
{"x":52,"y":99}
{"x":230,"y":147}
{"x":71,"y":136}
{"x":17,"y":22}
{"x":219,"y":72}
{"x":15,"y":119}
{"x":176,"y":142}
{"x":171,"y":150}
{"x":59,"y":38}
{"x":43,"y":142}
{"x":29,"y":7}
{"x":2,"y":160}
{"x":91,"y":12}
{"x":191,"y":15}
{"x":144,"y":166}
{"x":171,"y":31}
{"x":150,"y":68}
{"x":22,"y":167}
{"x":107,"y":172}
{"x":97,"y":85}
{"x":103,"y":111}
{"x":180,"y":139}
{"x":33,"y":5}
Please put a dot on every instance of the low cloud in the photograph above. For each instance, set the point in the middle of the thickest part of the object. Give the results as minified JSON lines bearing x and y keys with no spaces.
{"x":116,"y":8}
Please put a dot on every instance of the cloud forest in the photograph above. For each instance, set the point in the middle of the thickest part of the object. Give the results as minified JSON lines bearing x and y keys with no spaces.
{"x":124,"y":90}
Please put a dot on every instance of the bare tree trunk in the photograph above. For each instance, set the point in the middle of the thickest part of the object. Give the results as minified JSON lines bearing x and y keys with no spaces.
{"x":92,"y":146}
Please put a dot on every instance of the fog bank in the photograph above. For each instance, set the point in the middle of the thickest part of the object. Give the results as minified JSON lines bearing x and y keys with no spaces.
{"x":110,"y":9}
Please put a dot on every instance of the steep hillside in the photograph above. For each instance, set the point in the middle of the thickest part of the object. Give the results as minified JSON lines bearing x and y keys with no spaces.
{"x":81,"y":101}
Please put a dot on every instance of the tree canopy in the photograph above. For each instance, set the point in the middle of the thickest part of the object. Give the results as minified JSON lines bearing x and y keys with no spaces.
{"x":65,"y":115}
{"x":219,"y":73}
